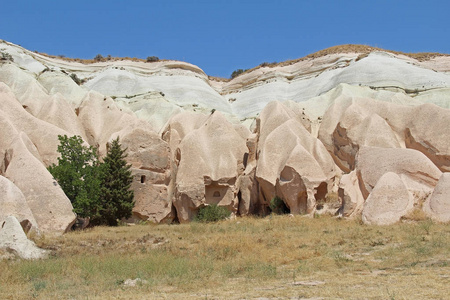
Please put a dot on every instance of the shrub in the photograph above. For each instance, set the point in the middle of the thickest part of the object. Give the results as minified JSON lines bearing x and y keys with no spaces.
{"x":75,"y":78}
{"x":152,"y":59}
{"x":237,"y":72}
{"x":6,"y":57}
{"x":212,"y":213}
{"x":278,"y":206}
{"x":267,"y":64}
{"x":98,"y":57}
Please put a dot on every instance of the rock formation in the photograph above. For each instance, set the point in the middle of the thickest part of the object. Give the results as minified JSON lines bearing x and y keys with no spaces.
{"x":369,"y":126}
{"x":14,"y":240}
{"x":438,"y":205}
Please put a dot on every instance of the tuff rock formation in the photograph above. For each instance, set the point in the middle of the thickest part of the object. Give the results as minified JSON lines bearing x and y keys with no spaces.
{"x":14,"y":240}
{"x":365,"y":126}
{"x":438,"y":204}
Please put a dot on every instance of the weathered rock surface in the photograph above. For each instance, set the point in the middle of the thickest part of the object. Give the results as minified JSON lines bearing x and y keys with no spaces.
{"x":14,"y":240}
{"x":48,"y":203}
{"x":373,"y":117}
{"x":354,"y":120}
{"x":292,"y":164}
{"x":150,"y":158}
{"x":418,"y":173}
{"x":388,"y":201}
{"x":438,"y":205}
{"x":25,"y":144}
{"x":210,"y":160}
{"x":13,"y":203}
{"x":350,"y":195}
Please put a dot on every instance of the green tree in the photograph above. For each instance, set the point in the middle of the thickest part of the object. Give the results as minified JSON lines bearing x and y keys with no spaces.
{"x":116,"y":198}
{"x":77,"y":173}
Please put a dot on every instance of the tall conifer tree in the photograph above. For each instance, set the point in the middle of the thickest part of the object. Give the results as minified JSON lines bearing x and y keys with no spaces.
{"x":116,"y":198}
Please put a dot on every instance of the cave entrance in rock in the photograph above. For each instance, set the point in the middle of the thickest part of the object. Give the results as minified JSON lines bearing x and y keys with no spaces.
{"x":278,"y":206}
{"x":142,"y":178}
{"x":320,"y":195}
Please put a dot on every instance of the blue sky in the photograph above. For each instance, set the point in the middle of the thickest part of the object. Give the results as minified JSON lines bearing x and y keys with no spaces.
{"x":222,"y":36}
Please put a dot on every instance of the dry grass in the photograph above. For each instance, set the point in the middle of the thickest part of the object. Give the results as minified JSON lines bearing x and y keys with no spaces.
{"x":239,"y":259}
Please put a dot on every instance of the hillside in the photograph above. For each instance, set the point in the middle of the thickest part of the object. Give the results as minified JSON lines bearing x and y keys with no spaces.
{"x":350,"y":130}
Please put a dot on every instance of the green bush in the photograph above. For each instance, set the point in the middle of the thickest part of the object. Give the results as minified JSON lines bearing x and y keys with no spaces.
{"x":98,"y":190}
{"x":152,"y":59}
{"x":77,"y":173}
{"x":6,"y":57}
{"x":237,"y":72}
{"x":278,"y":206}
{"x":75,"y":78}
{"x":212,"y":213}
{"x":99,"y":57}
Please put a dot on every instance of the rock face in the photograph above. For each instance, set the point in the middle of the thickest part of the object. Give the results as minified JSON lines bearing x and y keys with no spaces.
{"x":13,"y":203}
{"x":14,"y":240}
{"x":150,"y":160}
{"x":350,"y":195}
{"x":291,"y":162}
{"x":388,"y":201}
{"x":416,"y":170}
{"x":209,"y":161}
{"x":25,"y":146}
{"x":371,"y":125}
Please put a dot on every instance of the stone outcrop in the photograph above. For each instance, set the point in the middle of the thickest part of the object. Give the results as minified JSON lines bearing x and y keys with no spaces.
{"x":437,"y":205}
{"x":149,"y":156}
{"x":14,"y":240}
{"x":388,"y":201}
{"x":209,"y":160}
{"x":410,"y":180}
{"x":415,"y":169}
{"x":350,"y":195}
{"x":13,"y":203}
{"x":354,"y":121}
{"x":25,"y":144}
{"x":292,"y":164}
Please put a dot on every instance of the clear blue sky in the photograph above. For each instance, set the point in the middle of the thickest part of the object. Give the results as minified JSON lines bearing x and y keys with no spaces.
{"x":221,"y":36}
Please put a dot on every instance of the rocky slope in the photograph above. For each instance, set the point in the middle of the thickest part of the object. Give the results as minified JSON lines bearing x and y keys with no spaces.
{"x":360,"y":132}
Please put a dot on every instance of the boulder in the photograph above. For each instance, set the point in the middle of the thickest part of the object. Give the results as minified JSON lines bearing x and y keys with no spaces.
{"x":152,"y":202}
{"x":418,"y":173}
{"x":438,"y":205}
{"x":13,"y":239}
{"x":13,"y":203}
{"x":388,"y":201}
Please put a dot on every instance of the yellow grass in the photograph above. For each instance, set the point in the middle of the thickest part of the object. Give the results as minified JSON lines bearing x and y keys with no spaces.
{"x":246,"y":258}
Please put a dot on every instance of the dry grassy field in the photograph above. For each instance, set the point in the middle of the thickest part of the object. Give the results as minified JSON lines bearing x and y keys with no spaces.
{"x":277,"y":257}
